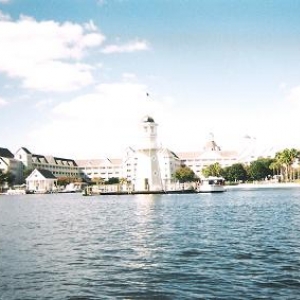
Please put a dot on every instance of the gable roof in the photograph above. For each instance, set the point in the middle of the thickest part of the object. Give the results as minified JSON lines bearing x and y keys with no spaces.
{"x":26,"y":150}
{"x":4,"y":152}
{"x":46,"y":173}
{"x":39,"y":158}
{"x":3,"y":161}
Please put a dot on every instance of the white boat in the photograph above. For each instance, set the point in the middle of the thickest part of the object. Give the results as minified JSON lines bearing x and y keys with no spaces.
{"x":15,"y":192}
{"x":211,"y":184}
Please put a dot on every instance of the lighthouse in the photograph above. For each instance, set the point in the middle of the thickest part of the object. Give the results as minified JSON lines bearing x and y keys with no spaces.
{"x":148,"y":177}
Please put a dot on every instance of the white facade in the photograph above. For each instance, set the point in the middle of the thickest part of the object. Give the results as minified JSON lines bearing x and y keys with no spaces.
{"x":9,"y":164}
{"x":59,"y":167}
{"x":146,"y":167}
{"x":134,"y":160}
{"x":148,"y":175}
{"x":211,"y":154}
{"x":96,"y":169}
{"x":169,"y":163}
{"x":41,"y":181}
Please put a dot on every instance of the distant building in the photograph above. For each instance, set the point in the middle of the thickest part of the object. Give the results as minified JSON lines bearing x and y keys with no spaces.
{"x":148,"y":167}
{"x":41,"y":181}
{"x":59,"y":167}
{"x":210,"y":154}
{"x":9,"y":164}
{"x":148,"y":175}
{"x":97,"y":169}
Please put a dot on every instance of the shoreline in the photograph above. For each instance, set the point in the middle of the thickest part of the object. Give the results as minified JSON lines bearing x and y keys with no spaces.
{"x":252,"y":186}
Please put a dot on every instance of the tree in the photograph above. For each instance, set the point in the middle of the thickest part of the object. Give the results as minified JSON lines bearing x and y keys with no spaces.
{"x":212,"y":170}
{"x":235,"y":173}
{"x":10,"y":178}
{"x":98,"y":180}
{"x":63,"y":181}
{"x":26,"y":173}
{"x":184,"y":174}
{"x":276,"y":167}
{"x":113,"y":180}
{"x":287,"y":157}
{"x":2,"y":179}
{"x":6,"y":177}
{"x":122,"y":182}
{"x":259,"y":169}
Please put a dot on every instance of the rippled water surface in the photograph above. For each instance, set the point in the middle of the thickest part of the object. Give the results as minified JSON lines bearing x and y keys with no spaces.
{"x":235,"y":245}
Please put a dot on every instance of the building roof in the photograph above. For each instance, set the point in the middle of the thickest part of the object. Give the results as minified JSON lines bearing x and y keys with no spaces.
{"x":39,"y":158}
{"x":65,"y":161}
{"x":99,"y":162}
{"x":212,"y":146}
{"x":169,"y":152}
{"x":46,"y":173}
{"x":4,"y":152}
{"x":208,"y":155}
{"x":148,"y":119}
{"x":26,"y":150}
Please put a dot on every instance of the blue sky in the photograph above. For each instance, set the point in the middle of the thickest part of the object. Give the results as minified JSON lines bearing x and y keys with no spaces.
{"x":74,"y":74}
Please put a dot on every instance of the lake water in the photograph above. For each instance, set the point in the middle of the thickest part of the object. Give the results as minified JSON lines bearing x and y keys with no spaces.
{"x":234,"y":245}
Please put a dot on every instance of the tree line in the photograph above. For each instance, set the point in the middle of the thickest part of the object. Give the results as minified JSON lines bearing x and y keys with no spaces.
{"x":285,"y":163}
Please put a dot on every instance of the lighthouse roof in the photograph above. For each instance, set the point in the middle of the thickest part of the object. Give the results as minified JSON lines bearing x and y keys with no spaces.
{"x":148,"y":119}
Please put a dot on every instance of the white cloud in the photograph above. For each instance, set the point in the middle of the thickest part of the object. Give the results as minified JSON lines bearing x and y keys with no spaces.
{"x":3,"y":102}
{"x":294,"y":95}
{"x":69,"y":77}
{"x":126,"y":48}
{"x":4,"y":17}
{"x":105,"y":122}
{"x":43,"y":103}
{"x":90,"y":26}
{"x":96,"y":123}
{"x":46,"y":55}
{"x":99,"y":124}
{"x":128,"y":76}
{"x":282,"y":86}
{"x":4,"y":1}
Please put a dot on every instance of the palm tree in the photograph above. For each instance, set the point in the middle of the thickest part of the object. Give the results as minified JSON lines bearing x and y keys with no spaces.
{"x":122,"y":181}
{"x":212,"y":170}
{"x":276,"y":167}
{"x":287,"y":157}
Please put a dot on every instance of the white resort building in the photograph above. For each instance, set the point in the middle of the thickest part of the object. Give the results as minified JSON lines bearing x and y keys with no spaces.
{"x":59,"y":167}
{"x":41,"y":181}
{"x":210,"y":154}
{"x":100,"y":169}
{"x":8,"y":163}
{"x":146,"y":167}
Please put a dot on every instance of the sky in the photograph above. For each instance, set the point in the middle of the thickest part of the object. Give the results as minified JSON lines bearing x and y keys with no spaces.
{"x":75,"y":74}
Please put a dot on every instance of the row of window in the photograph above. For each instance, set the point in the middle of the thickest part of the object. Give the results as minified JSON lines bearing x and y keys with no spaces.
{"x":47,"y":166}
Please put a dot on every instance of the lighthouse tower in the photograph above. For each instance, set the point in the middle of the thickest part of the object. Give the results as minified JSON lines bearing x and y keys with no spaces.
{"x":148,"y":176}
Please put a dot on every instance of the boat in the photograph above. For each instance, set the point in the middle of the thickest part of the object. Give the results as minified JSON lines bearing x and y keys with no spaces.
{"x":91,"y":191}
{"x":211,"y":184}
{"x":16,"y":192}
